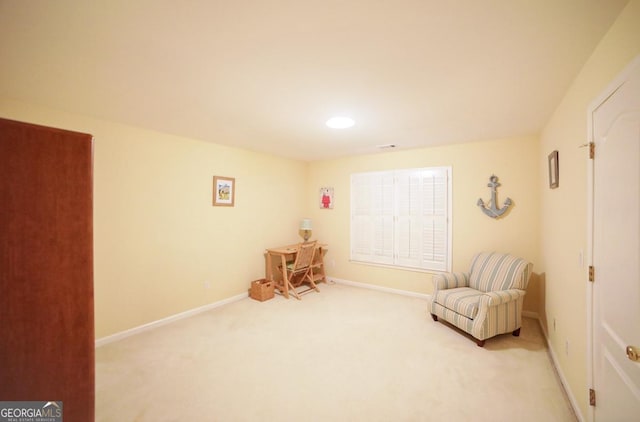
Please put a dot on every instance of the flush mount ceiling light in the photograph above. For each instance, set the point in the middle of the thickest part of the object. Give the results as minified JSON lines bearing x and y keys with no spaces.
{"x":340,"y":122}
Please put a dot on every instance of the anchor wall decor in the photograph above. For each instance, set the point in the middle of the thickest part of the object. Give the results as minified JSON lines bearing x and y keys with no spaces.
{"x":492,"y":210}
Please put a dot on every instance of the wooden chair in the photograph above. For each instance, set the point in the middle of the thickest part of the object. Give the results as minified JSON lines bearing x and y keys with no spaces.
{"x":300,"y":271}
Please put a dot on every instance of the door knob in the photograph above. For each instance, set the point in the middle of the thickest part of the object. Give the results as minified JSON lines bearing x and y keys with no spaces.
{"x":633,"y":353}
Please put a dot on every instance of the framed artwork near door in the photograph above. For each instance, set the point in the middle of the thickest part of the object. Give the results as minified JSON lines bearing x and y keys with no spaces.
{"x":553,"y":170}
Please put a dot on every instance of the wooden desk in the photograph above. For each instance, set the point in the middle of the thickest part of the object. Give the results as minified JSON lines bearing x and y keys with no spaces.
{"x":288,"y":253}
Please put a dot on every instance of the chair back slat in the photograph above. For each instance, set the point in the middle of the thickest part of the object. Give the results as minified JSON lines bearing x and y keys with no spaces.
{"x":304,"y":256}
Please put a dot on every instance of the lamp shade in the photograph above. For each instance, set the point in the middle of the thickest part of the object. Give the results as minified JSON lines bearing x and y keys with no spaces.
{"x":305,"y":224}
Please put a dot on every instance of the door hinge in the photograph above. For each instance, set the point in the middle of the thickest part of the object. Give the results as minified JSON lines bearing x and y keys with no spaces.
{"x":592,"y":397}
{"x":592,"y":275}
{"x":592,"y":150}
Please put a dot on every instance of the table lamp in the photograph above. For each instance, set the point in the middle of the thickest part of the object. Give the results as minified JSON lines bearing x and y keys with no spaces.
{"x":305,"y":227}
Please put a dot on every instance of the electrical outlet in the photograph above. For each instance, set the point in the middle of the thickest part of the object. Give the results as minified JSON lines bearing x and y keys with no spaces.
{"x":333,"y":263}
{"x":207,"y":284}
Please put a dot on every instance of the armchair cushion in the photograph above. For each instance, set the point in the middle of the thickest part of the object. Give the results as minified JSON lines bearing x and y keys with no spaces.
{"x":462,"y":300}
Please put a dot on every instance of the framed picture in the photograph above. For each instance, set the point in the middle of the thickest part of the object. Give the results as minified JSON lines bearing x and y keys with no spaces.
{"x":224,"y":191}
{"x":554,"y":180}
{"x":326,"y":198}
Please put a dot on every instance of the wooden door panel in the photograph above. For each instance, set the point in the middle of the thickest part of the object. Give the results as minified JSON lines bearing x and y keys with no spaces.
{"x":46,"y":267}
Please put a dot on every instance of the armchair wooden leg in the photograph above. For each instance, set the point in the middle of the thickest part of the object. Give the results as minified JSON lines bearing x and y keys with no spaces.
{"x":480,"y":343}
{"x":516,"y":333}
{"x":435,"y":317}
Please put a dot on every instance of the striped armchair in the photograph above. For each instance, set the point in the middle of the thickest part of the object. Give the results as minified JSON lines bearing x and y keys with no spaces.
{"x":487,"y":300}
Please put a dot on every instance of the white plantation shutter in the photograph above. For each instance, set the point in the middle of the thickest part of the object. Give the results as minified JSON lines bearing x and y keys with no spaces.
{"x":402,"y":218}
{"x":435,"y":216}
{"x":409,"y":223}
{"x":372,"y":217}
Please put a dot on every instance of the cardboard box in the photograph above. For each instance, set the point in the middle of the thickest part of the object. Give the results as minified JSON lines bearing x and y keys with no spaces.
{"x":261,"y":290}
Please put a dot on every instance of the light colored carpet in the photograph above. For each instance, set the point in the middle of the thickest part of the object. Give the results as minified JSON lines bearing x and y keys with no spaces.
{"x":345,"y":354}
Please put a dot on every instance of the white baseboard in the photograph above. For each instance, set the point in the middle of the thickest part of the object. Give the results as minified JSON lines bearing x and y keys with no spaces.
{"x":164,"y":321}
{"x":554,"y":362}
{"x":380,"y":288}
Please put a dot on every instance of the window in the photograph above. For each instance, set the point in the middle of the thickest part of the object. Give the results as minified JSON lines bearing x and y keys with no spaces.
{"x":402,"y":218}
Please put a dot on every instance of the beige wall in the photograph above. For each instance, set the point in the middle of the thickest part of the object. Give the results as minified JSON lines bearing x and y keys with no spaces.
{"x":514,"y":161}
{"x":157,"y":237}
{"x":564,"y":210}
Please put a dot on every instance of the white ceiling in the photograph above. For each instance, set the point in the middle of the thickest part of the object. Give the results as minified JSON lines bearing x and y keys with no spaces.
{"x":266,"y":74}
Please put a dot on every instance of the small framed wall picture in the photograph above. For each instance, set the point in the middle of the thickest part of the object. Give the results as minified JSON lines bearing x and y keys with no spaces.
{"x":554,"y":176}
{"x":326,"y":198}
{"x":224,"y":191}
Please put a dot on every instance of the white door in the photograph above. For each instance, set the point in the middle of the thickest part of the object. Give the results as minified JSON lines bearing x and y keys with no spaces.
{"x":616,"y":250}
